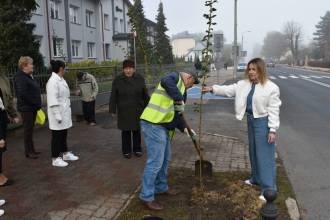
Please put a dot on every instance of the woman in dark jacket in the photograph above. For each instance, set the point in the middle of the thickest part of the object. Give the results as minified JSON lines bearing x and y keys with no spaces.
{"x":128,"y":99}
{"x":198,"y":66}
{"x":28,"y":102}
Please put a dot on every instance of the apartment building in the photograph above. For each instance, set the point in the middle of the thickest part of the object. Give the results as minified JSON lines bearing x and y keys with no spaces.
{"x":84,"y":30}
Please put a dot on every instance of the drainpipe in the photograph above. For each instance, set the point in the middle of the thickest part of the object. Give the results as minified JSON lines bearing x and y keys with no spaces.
{"x":48,"y":34}
{"x":67,"y":30}
{"x":102,"y":21}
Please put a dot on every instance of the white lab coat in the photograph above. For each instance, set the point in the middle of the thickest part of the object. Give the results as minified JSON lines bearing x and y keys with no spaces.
{"x":58,"y":103}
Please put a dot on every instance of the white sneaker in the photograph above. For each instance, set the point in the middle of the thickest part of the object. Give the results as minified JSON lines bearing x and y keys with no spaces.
{"x":248,"y":182}
{"x":70,"y":156}
{"x":262,"y":198}
{"x":59,"y":162}
{"x":1,"y":212}
{"x":2,"y":201}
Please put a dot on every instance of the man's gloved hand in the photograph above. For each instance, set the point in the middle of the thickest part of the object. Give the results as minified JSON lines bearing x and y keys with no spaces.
{"x":193,"y":137}
{"x":179,"y":107}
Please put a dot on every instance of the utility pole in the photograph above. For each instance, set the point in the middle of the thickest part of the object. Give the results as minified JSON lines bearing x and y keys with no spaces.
{"x":235,"y":41}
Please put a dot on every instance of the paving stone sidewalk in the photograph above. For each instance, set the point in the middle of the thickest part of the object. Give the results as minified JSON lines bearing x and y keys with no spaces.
{"x":102,"y":181}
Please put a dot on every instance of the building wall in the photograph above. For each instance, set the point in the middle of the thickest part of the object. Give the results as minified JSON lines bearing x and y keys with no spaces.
{"x":89,"y":37}
{"x":181,"y":46}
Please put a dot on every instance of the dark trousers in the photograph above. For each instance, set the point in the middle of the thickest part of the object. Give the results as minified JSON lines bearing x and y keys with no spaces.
{"x":58,"y":143}
{"x":29,"y":119}
{"x":3,"y":124}
{"x":126,"y":141}
{"x":89,"y":111}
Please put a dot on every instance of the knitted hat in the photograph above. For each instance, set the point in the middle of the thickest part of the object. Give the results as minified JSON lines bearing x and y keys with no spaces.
{"x":128,"y":63}
{"x":192,"y":72}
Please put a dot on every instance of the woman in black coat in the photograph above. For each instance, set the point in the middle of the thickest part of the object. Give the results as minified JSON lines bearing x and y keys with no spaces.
{"x":128,"y":99}
{"x":28,"y":102}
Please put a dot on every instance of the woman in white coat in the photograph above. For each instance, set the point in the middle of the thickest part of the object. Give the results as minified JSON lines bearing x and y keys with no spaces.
{"x":59,"y":113}
{"x":257,"y":96}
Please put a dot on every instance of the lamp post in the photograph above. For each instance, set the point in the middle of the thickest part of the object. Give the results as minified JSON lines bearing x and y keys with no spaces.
{"x":242,"y":45}
{"x":235,"y":40}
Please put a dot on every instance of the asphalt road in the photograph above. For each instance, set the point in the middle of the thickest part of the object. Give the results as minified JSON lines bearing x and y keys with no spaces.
{"x":303,"y":137}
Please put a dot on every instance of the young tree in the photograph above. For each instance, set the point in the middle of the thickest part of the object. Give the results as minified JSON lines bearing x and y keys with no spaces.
{"x":142,"y":45}
{"x":323,"y":35}
{"x":16,"y":35}
{"x":163,"y":49}
{"x":274,"y":46}
{"x":292,"y":35}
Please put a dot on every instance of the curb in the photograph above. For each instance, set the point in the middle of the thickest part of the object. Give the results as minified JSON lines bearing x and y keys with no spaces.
{"x":292,"y":206}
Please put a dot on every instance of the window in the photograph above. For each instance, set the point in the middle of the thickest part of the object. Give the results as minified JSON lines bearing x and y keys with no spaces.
{"x":91,"y":50}
{"x":89,"y":19}
{"x":54,"y":9}
{"x":57,"y":47}
{"x":107,"y":51}
{"x":106,"y":22}
{"x":75,"y":48}
{"x":121,"y":26}
{"x":73,"y":14}
{"x":41,"y":47}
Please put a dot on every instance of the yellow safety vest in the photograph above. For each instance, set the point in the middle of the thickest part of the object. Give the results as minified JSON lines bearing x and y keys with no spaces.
{"x":161,"y":106}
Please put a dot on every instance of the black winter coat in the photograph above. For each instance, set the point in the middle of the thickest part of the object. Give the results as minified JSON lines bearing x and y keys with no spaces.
{"x":3,"y":124}
{"x":128,"y":99}
{"x":27,"y":92}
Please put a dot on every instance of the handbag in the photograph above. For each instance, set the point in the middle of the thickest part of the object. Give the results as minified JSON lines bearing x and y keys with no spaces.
{"x":40,"y":119}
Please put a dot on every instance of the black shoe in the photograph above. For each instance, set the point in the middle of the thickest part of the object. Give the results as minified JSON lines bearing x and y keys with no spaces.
{"x":128,"y":156}
{"x":138,"y":154}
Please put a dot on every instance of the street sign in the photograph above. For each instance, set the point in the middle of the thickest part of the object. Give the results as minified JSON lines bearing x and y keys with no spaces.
{"x":218,"y":42}
{"x":244,"y":53}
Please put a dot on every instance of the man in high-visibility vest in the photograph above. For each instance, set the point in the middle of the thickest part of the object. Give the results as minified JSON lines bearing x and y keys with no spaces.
{"x":158,"y":122}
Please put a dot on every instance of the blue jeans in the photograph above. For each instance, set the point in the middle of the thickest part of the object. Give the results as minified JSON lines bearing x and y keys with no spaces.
{"x":262,"y":154}
{"x":159,"y":156}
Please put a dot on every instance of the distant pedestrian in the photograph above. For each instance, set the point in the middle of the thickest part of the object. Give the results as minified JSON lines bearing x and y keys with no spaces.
{"x":7,"y":109}
{"x":28,"y":102}
{"x":225,"y":65}
{"x":88,"y":88}
{"x":260,"y":98}
{"x":59,"y":113}
{"x":129,"y":97}
{"x":198,"y":66}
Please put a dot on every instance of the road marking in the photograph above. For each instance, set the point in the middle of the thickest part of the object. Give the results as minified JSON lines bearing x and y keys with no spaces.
{"x":295,"y":77}
{"x":322,"y":84}
{"x":282,"y":77}
{"x":318,"y":77}
{"x":271,"y":77}
{"x":306,"y":77}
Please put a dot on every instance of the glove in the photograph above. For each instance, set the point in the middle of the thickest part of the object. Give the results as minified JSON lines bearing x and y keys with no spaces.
{"x":193,"y":137}
{"x":179,"y":107}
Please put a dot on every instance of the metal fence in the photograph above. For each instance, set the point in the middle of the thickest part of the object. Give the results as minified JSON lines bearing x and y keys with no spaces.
{"x":104,"y":76}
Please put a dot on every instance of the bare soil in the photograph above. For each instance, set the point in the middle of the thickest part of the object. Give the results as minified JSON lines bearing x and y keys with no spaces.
{"x":225,"y":197}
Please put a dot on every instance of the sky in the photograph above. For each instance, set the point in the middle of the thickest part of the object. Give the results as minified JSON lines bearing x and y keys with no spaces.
{"x":256,"y":16}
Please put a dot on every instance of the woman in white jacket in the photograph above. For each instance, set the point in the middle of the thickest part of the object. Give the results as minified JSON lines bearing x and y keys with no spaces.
{"x":260,"y":99}
{"x":59,"y":113}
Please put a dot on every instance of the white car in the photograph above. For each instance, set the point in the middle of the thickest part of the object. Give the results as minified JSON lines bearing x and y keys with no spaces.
{"x":241,"y":67}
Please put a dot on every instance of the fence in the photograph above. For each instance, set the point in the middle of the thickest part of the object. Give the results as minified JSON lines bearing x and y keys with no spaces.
{"x":104,"y":76}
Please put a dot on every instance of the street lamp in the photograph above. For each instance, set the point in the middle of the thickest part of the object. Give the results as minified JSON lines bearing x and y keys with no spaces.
{"x":242,"y":45}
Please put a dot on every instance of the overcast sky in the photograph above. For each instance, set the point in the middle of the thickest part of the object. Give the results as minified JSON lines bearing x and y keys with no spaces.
{"x":257,"y":16}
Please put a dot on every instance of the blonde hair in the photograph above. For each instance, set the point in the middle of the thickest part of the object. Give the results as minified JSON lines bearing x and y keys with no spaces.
{"x":24,"y":61}
{"x":261,"y":69}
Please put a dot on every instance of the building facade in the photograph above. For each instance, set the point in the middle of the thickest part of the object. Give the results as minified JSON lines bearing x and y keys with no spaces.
{"x":81,"y":30}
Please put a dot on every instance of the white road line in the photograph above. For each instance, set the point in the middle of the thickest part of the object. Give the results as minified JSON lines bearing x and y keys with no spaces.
{"x":305,"y":77}
{"x":326,"y":77}
{"x":318,"y":77}
{"x":313,"y":81}
{"x":271,"y":77}
{"x":282,"y":77}
{"x":295,"y":77}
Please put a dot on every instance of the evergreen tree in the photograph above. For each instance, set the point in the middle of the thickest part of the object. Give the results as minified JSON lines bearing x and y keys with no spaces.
{"x":323,"y":35}
{"x":142,"y":45}
{"x":16,"y":35}
{"x":163,"y":50}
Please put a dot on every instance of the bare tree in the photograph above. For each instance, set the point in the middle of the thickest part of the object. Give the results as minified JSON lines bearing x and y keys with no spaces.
{"x":274,"y":45}
{"x":292,"y":34}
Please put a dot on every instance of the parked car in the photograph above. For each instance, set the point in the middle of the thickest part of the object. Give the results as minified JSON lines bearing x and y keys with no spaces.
{"x":270,"y":64}
{"x":241,"y":67}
